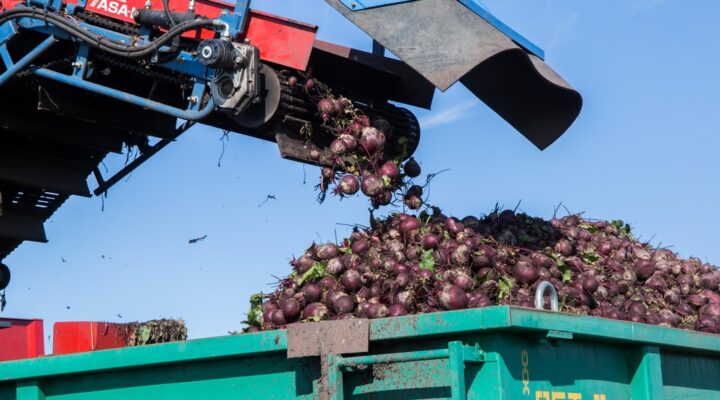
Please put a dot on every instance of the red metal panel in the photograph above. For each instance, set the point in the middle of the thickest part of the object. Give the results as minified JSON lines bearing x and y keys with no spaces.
{"x":281,"y":40}
{"x":4,"y":5}
{"x":77,"y":337}
{"x":24,"y":339}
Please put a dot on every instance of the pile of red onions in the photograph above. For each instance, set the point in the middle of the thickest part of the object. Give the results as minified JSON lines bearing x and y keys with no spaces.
{"x":357,"y":159}
{"x":426,"y":263}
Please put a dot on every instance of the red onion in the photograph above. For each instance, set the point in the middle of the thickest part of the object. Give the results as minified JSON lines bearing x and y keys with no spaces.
{"x":315,"y":310}
{"x":525,"y":272}
{"x":327,"y":251}
{"x":397,"y":310}
{"x":389,"y":170}
{"x":453,"y":298}
{"x":644,"y":269}
{"x":312,"y":292}
{"x":349,"y":141}
{"x":707,"y":323}
{"x":351,"y":280}
{"x":377,"y":311}
{"x":372,"y":140}
{"x":359,"y":246}
{"x":277,"y":317}
{"x":344,"y":305}
{"x":371,"y":185}
{"x":412,"y":168}
{"x":325,"y":106}
{"x":564,"y":248}
{"x":409,"y":224}
{"x":349,"y":184}
{"x":337,"y":147}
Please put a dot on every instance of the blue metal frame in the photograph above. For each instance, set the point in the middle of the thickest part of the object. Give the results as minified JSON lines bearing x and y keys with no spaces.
{"x":475,"y":6}
{"x":185,"y":62}
{"x":189,"y":114}
{"x":14,"y":68}
{"x":479,"y":8}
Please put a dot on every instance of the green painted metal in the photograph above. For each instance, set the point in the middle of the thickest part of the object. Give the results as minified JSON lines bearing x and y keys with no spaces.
{"x":495,"y":353}
{"x":647,"y":383}
{"x":457,"y":355}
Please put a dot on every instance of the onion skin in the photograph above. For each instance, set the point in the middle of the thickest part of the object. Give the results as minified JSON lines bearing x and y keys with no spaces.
{"x":278,"y":318}
{"x":312,"y":292}
{"x":708,"y":324}
{"x":327,"y":251}
{"x":644,"y":269}
{"x":335,"y":266}
{"x":371,"y":185}
{"x":525,"y":272}
{"x":453,"y":298}
{"x":269,"y":306}
{"x":359,"y":246}
{"x":590,"y":285}
{"x":344,"y":305}
{"x":409,"y":224}
{"x":315,"y":310}
{"x":430,"y":241}
{"x":381,"y":199}
{"x":413,"y":202}
{"x":349,"y":141}
{"x":397,"y":310}
{"x":389,"y":170}
{"x":564,"y":248}
{"x":328,"y":282}
{"x":314,"y":154}
{"x":372,"y":140}
{"x":351,"y":280}
{"x":324,"y":106}
{"x":412,"y":168}
{"x":304,"y":263}
{"x":338,"y":148}
{"x":377,"y":311}
{"x":709,"y":281}
{"x":454,"y":226}
{"x":426,"y":273}
{"x":291,"y":309}
{"x":349,"y":185}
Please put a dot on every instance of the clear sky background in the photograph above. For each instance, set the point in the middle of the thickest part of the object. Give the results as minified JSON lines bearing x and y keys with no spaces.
{"x":644,"y":150}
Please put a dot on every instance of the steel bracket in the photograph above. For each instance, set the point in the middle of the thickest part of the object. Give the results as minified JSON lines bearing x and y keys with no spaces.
{"x":329,"y":337}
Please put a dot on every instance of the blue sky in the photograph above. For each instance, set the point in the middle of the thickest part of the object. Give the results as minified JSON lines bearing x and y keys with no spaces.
{"x":643,"y":150}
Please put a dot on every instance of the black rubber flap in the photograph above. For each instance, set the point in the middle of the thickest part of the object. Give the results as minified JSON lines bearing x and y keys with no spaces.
{"x":527,"y":93}
{"x":446,"y":42}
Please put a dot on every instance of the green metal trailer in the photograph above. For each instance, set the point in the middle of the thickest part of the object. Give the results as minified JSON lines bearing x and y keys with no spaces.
{"x":489,"y":353}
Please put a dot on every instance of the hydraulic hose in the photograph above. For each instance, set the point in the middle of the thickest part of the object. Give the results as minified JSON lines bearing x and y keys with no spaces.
{"x":101,"y":42}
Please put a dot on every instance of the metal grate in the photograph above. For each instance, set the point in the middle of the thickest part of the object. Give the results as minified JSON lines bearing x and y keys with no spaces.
{"x":37,"y":203}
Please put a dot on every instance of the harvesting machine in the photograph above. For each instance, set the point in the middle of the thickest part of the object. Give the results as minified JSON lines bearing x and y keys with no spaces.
{"x":83,"y":78}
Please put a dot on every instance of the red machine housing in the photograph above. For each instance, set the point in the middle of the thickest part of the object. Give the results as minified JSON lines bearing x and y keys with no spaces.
{"x":77,"y":337}
{"x":281,"y":40}
{"x":23,"y":339}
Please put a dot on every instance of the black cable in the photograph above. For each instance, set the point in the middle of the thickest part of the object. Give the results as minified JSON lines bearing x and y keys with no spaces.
{"x":168,"y":14}
{"x":102,"y":42}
